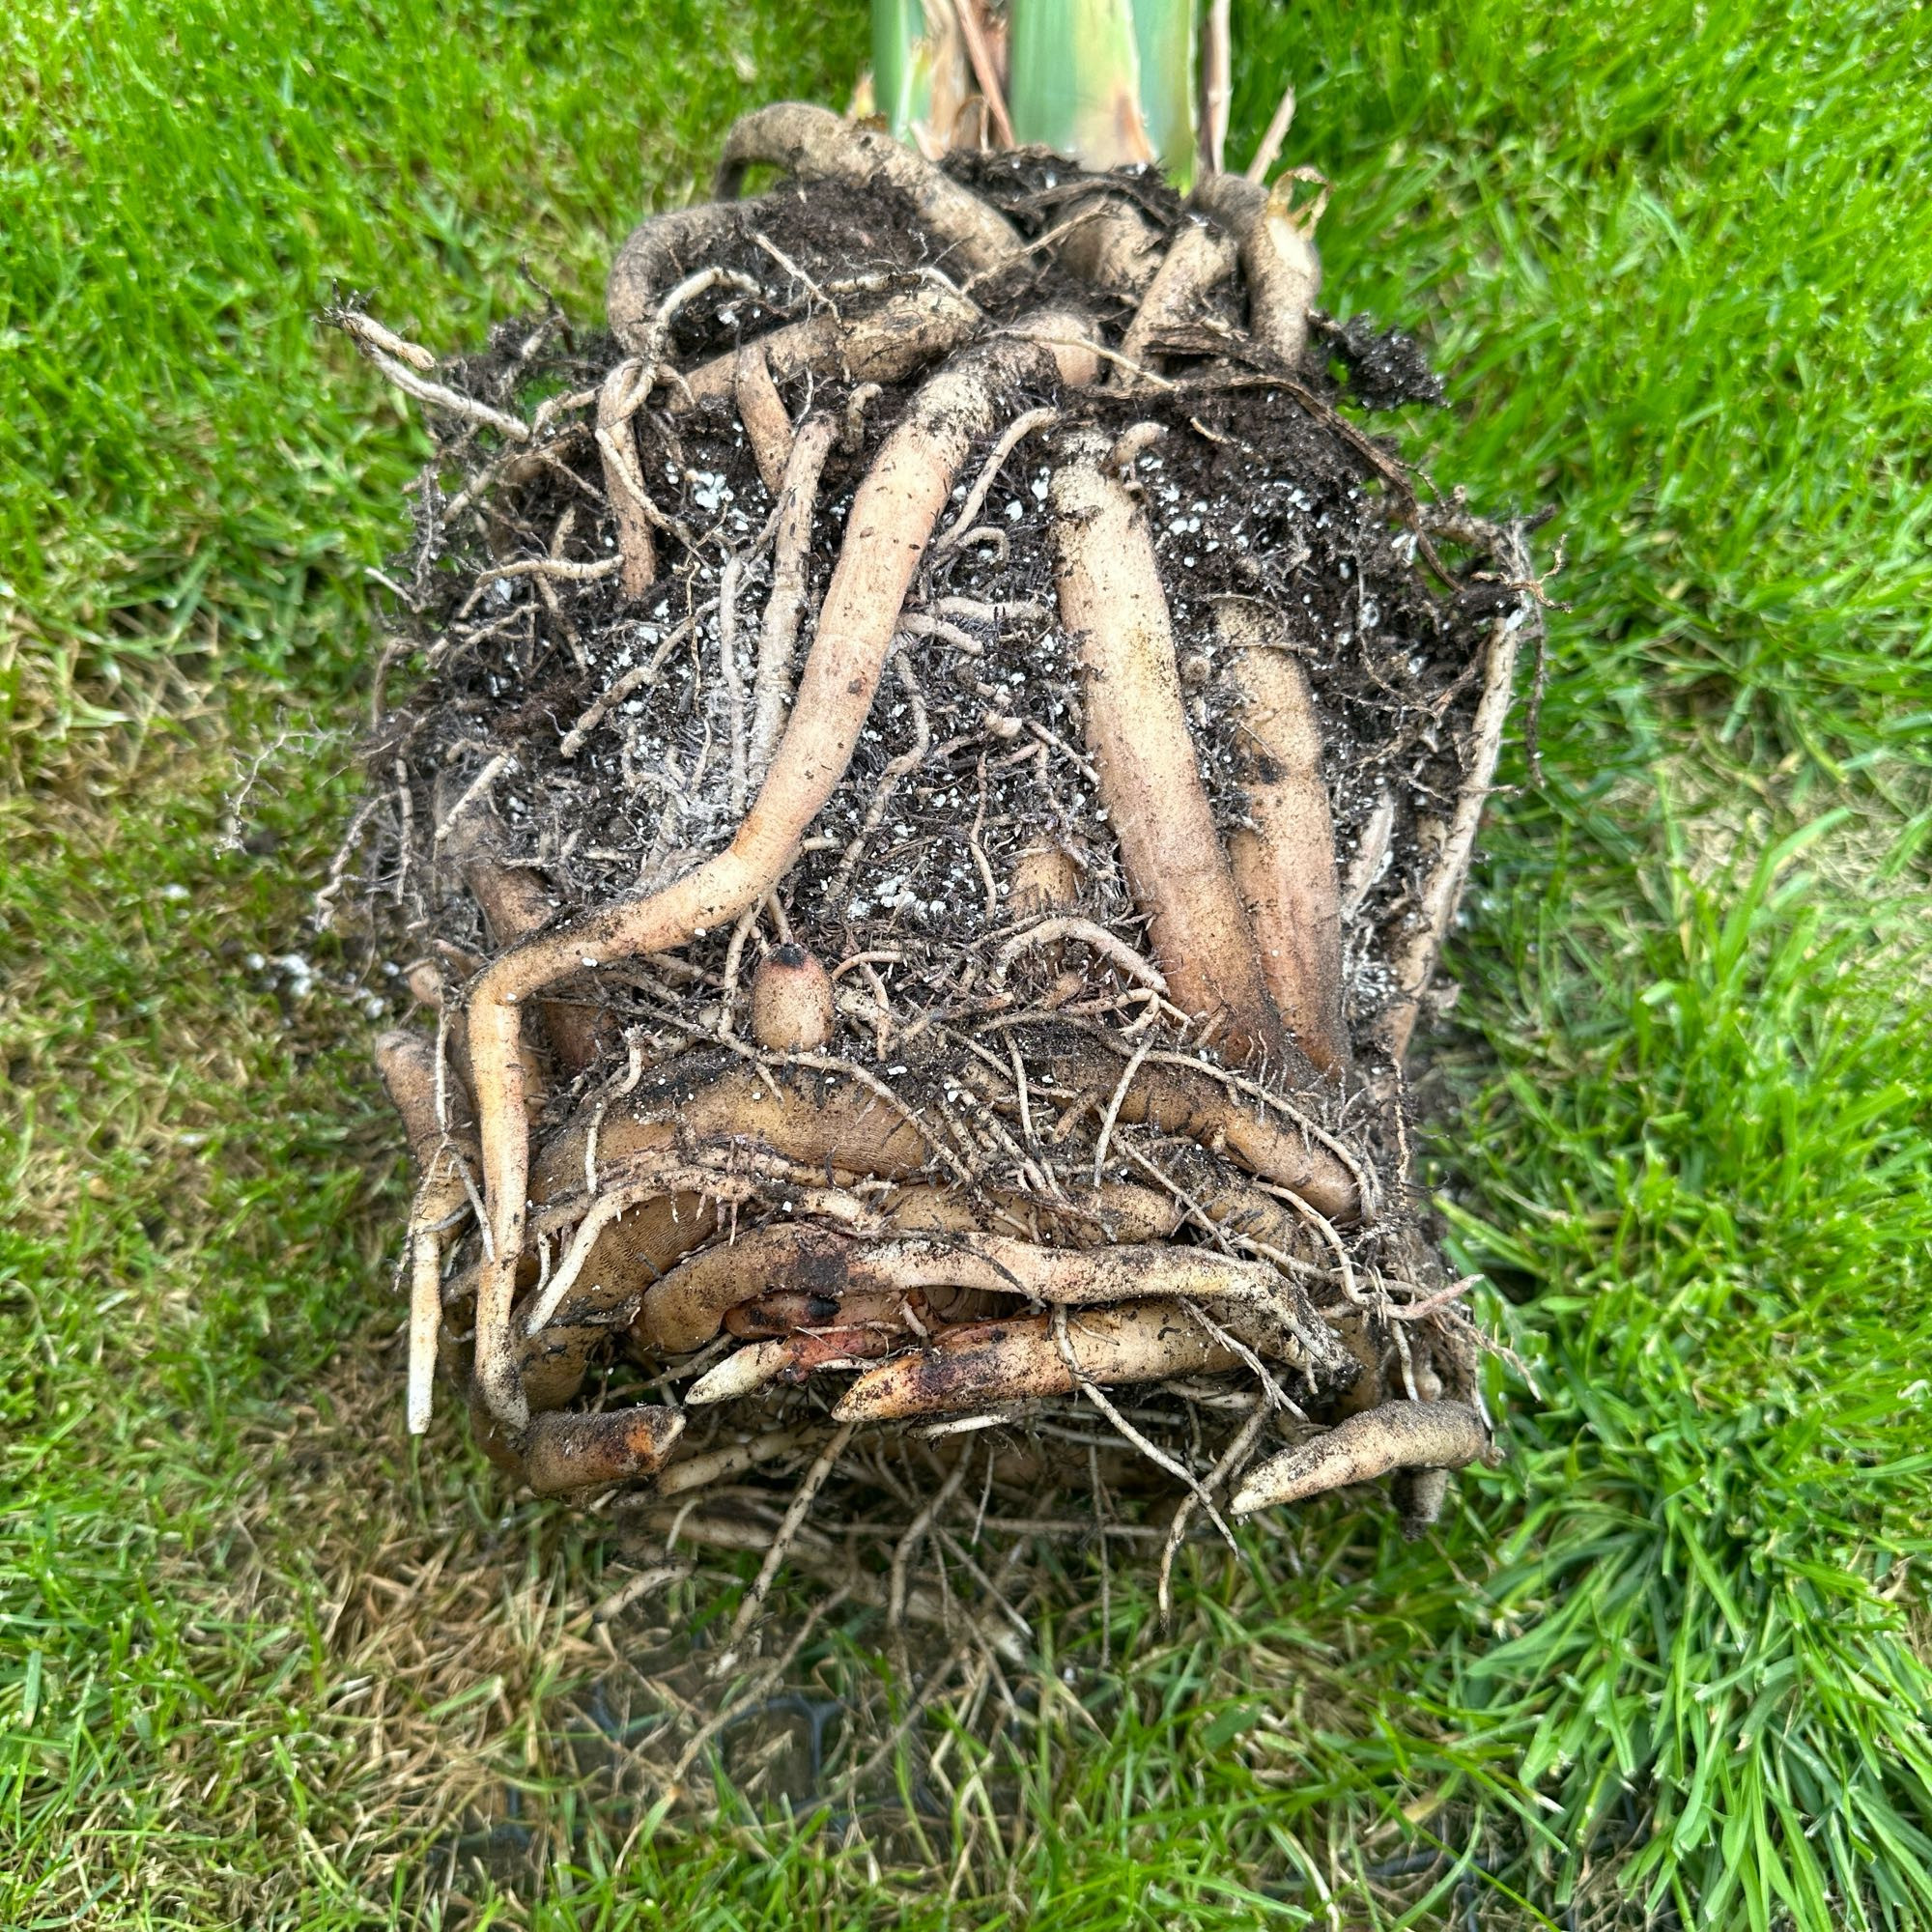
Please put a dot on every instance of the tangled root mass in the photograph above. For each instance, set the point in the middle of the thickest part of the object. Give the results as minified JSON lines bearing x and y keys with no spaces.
{"x":922,"y":837}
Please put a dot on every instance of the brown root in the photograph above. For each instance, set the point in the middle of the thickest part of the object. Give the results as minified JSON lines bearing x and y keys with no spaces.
{"x":1111,"y":244}
{"x":406,"y":1064}
{"x":618,"y":404}
{"x":1111,"y":601}
{"x":904,"y":334}
{"x":1284,"y":857}
{"x":1197,"y":259}
{"x":1019,"y":1360}
{"x":1279,"y":261}
{"x":514,"y":905}
{"x":658,"y":255}
{"x":816,"y":144}
{"x":762,"y":412}
{"x":685,"y":1309}
{"x":1415,"y":963}
{"x":1185,"y":1097}
{"x":784,"y":607}
{"x":1396,"y":1436}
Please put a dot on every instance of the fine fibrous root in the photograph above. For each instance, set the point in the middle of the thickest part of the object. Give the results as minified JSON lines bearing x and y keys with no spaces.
{"x":890,"y":523}
{"x":816,"y":144}
{"x":406,"y":1064}
{"x":1283,"y":856}
{"x":1415,"y":958}
{"x":1110,"y":602}
{"x":1396,"y":1436}
{"x":908,"y":1059}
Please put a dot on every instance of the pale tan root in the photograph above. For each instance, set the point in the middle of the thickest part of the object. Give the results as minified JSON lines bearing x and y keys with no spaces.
{"x":684,"y":1311}
{"x":1218,"y":84}
{"x":785,"y":606}
{"x":562,"y":1453}
{"x":1110,"y":244}
{"x":710,"y":1467}
{"x":1189,"y":1102}
{"x":762,"y":412}
{"x":1012,"y":1361}
{"x":1198,"y":257}
{"x":890,"y":344}
{"x":886,"y":530}
{"x":790,"y":1358}
{"x":792,"y":1006}
{"x":618,"y":400}
{"x":1279,"y":261}
{"x":516,"y":903}
{"x":1372,"y":852}
{"x":658,"y":254}
{"x":1284,"y":857}
{"x":816,"y":144}
{"x":1415,"y":961}
{"x":1396,"y":1436}
{"x":1110,"y":602}
{"x":406,"y":1064}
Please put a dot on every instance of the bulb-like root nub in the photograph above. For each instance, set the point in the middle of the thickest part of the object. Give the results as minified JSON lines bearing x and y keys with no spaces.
{"x":816,"y":144}
{"x":1279,"y":261}
{"x":886,"y":530}
{"x":1110,"y":602}
{"x":1396,"y":1436}
{"x":791,"y":1002}
{"x":1284,"y":857}
{"x":1017,"y":1360}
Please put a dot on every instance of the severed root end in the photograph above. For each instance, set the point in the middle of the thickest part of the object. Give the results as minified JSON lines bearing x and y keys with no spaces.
{"x":563,"y":1453}
{"x":1424,"y":1435}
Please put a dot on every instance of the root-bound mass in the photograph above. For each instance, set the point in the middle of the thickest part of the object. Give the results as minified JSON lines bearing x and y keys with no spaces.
{"x":941,"y":758}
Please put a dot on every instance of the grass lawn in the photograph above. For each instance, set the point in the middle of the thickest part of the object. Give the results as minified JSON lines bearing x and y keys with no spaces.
{"x":263,"y":1663}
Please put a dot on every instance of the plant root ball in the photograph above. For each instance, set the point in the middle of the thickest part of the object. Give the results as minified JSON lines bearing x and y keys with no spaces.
{"x":993,"y":622}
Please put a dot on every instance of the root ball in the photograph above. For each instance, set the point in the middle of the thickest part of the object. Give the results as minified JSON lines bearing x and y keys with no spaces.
{"x":957,"y":574}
